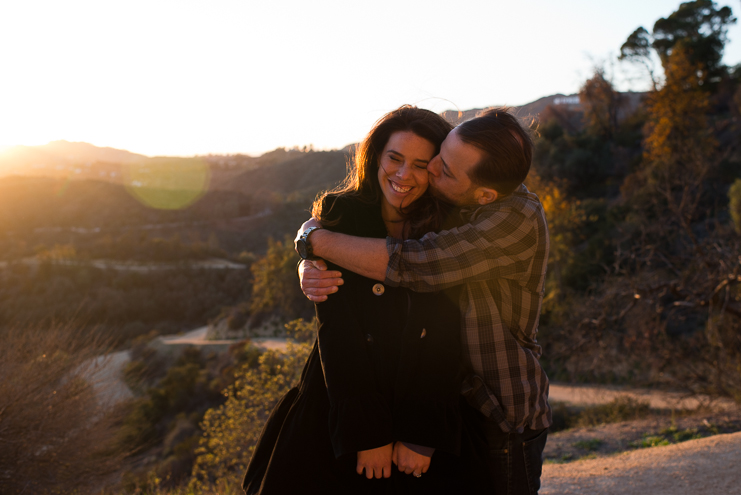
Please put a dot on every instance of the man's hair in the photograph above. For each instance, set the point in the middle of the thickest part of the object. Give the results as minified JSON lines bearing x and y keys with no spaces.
{"x":507,"y":147}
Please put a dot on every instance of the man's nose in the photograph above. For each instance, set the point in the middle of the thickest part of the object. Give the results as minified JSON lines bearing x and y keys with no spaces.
{"x":433,"y":168}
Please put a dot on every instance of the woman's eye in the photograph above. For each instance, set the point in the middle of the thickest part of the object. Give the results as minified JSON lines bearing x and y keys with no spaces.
{"x":421,"y":167}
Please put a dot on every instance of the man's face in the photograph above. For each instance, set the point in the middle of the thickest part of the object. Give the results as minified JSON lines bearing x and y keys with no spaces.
{"x":449,"y":171}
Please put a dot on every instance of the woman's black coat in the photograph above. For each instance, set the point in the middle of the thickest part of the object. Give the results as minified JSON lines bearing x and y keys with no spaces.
{"x":385,"y":368}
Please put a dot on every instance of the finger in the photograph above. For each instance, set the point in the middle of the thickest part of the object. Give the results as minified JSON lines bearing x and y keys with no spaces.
{"x":359,"y":468}
{"x":320,"y":291}
{"x":425,"y":468}
{"x":387,"y":471}
{"x":378,"y":471}
{"x":369,"y":472}
{"x":319,"y":264}
{"x":317,"y":299}
{"x":321,"y":283}
{"x":313,"y":273}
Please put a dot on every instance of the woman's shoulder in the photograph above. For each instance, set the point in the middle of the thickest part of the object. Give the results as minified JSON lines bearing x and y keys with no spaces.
{"x":350,"y":215}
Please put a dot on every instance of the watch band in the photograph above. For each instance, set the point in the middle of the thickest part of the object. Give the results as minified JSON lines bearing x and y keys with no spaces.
{"x":307,"y":252}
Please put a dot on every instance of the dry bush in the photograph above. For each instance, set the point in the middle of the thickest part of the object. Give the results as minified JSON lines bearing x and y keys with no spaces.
{"x":55,"y":436}
{"x":231,"y":430}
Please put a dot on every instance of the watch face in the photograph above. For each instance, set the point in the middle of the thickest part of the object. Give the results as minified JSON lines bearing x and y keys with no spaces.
{"x":302,"y":250}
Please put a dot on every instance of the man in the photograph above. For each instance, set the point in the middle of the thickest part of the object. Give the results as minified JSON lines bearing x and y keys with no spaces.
{"x":499,"y":254}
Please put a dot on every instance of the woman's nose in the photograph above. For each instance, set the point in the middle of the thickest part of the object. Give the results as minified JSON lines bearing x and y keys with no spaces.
{"x":404,"y":171}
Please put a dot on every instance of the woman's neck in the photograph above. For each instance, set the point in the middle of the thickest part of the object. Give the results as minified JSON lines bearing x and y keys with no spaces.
{"x":393,"y":220}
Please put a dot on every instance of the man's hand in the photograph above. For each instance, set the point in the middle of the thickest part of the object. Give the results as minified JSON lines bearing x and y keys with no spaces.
{"x":316,"y":281}
{"x":309,"y":223}
{"x":376,"y":462}
{"x":409,"y":461}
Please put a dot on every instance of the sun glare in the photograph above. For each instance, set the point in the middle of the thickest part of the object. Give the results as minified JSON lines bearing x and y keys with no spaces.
{"x":167,"y":183}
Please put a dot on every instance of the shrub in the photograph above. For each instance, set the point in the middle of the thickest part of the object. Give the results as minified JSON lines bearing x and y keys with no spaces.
{"x":230,"y":431}
{"x":734,"y":203}
{"x":56,"y":433}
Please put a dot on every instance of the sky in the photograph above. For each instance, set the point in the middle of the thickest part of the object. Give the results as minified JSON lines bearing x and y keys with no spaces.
{"x":185,"y":77}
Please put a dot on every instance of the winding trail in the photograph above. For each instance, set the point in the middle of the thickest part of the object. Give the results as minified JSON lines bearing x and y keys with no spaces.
{"x":707,"y":465}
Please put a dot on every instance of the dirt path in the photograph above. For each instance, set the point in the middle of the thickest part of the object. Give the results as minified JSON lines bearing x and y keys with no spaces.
{"x":708,"y":465}
{"x":585,"y":395}
{"x":197,"y":337}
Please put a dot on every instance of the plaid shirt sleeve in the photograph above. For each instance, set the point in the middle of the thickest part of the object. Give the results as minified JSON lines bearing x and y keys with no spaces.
{"x":498,"y":244}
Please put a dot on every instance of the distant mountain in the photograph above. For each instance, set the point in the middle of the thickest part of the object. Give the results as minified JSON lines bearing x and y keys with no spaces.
{"x":64,"y":159}
{"x":290,"y":174}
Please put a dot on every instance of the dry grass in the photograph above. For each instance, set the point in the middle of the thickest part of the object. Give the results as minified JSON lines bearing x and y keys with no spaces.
{"x":55,"y":435}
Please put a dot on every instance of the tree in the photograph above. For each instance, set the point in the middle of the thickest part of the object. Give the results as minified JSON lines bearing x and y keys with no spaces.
{"x":699,"y":27}
{"x":679,"y":149}
{"x":601,"y":104}
{"x":275,"y":286}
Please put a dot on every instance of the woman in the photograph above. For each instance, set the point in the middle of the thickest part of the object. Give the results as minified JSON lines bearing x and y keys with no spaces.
{"x":383,"y":379}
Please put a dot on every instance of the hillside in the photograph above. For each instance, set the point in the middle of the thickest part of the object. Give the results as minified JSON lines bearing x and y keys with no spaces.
{"x":301,"y":177}
{"x":83,"y":161}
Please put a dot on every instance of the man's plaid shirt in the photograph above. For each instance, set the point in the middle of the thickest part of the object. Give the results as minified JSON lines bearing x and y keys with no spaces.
{"x":500,"y":257}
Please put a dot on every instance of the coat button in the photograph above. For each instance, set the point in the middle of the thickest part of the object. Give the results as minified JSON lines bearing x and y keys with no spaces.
{"x":379,"y":289}
{"x":369,"y":338}
{"x":424,"y":332}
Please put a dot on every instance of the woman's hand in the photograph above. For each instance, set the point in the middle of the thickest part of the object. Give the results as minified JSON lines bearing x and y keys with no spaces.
{"x":409,"y":461}
{"x":316,"y":281}
{"x":376,"y":462}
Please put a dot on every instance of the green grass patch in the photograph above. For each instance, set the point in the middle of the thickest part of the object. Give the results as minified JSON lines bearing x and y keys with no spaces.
{"x":590,"y":445}
{"x":649,"y":441}
{"x":560,"y":460}
{"x":622,"y":408}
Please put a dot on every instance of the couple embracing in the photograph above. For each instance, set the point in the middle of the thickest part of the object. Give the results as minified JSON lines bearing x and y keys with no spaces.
{"x":424,"y":377}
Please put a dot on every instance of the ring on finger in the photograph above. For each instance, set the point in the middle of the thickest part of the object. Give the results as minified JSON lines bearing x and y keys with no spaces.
{"x":417,"y":475}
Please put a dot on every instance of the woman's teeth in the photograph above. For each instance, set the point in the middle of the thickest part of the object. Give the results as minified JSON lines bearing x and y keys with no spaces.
{"x":399,"y":188}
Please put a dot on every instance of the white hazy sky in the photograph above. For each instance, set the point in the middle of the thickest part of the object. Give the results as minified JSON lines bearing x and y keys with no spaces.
{"x":185,"y":77}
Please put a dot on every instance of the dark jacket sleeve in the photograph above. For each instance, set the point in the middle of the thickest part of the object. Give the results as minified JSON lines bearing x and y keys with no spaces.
{"x":360,"y":417}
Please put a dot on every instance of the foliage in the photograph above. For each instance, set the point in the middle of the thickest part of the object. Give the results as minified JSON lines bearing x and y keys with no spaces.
{"x":734,"y":204}
{"x":275,"y":283}
{"x":623,"y":408}
{"x":301,"y":330}
{"x":602,"y":104}
{"x":56,"y":434}
{"x":699,"y":27}
{"x":126,"y":303}
{"x":230,"y":431}
{"x":168,"y":412}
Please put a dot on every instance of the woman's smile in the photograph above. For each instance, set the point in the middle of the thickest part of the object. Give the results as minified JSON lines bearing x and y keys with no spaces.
{"x":402,"y":172}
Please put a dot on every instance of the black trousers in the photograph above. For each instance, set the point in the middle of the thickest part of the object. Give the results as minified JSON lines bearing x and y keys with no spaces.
{"x":515,"y":459}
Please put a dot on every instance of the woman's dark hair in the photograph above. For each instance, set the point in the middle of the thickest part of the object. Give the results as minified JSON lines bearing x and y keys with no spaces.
{"x":362,"y":179}
{"x":507,"y":147}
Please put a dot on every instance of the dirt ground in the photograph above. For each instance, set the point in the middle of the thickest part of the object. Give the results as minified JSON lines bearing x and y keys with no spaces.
{"x":659,"y":427}
{"x":708,"y":465}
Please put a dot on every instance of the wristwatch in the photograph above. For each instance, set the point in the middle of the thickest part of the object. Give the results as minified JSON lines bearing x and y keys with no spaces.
{"x":303,"y":245}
